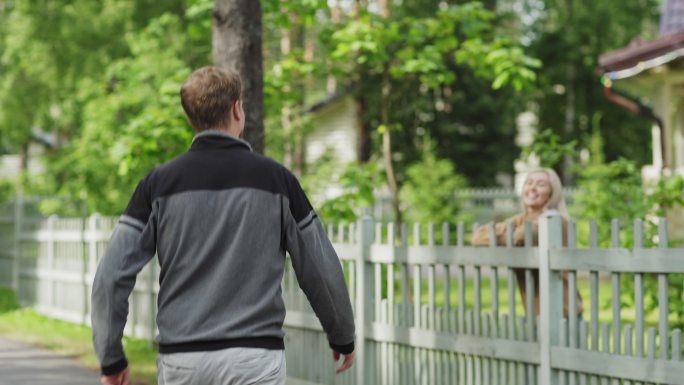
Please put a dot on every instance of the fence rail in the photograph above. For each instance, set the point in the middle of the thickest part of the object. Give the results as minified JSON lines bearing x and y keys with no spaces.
{"x":430,"y":308}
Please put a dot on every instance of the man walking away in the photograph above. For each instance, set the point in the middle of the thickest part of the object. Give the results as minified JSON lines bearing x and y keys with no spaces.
{"x":220,"y":219}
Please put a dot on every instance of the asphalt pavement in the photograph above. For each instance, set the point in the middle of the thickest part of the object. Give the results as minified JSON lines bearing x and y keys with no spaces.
{"x":24,"y":364}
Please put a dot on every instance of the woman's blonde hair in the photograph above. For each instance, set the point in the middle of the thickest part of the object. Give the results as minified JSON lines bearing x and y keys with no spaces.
{"x":557,"y":199}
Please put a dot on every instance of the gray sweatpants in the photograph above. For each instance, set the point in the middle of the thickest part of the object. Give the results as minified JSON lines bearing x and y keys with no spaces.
{"x":233,"y":366}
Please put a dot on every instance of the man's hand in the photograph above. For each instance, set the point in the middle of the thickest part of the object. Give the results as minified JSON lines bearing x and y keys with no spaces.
{"x":117,"y":379}
{"x":346,"y":364}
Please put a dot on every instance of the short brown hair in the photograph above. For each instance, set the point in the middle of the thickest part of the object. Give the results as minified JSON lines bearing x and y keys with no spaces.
{"x":208,"y":95}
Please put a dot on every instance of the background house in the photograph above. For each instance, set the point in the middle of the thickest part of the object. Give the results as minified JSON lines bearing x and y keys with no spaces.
{"x":335,"y":133}
{"x":652,"y":72}
{"x":11,"y":164}
{"x":647,"y":77}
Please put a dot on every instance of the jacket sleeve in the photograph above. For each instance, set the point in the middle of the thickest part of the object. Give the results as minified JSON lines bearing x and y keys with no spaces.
{"x":318,"y":270}
{"x":131,"y":246}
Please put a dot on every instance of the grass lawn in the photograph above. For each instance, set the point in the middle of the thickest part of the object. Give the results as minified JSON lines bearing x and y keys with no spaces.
{"x":627,"y":313}
{"x":69,"y":339}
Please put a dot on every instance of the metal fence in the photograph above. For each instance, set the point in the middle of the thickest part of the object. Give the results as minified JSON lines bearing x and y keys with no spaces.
{"x":429,"y":308}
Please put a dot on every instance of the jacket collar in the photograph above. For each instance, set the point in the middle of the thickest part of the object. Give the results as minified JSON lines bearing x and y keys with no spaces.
{"x":216,"y":138}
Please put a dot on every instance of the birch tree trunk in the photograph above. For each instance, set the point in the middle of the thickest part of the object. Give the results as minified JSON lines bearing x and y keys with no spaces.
{"x":386,"y":134}
{"x":236,"y":45}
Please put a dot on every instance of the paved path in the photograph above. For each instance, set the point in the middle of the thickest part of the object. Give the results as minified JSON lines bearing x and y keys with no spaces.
{"x":23,"y":364}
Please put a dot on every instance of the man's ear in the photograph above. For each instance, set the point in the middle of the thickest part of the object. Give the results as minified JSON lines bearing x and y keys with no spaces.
{"x":237,"y":111}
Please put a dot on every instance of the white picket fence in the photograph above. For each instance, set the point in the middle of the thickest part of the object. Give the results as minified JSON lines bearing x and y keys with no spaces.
{"x":429,"y":308}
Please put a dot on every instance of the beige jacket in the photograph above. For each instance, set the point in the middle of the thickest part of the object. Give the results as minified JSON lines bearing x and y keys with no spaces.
{"x":481,"y":238}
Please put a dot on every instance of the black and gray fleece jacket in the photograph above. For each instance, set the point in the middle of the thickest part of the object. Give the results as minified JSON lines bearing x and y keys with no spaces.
{"x":220,"y":219}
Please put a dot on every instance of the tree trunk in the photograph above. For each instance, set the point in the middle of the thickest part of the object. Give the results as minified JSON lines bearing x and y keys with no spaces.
{"x":292,"y":41}
{"x":385,"y":9}
{"x":23,"y":168}
{"x":387,"y":145}
{"x":286,"y":111}
{"x":386,"y":134}
{"x":335,"y":19}
{"x":570,"y":99}
{"x":237,"y":46}
{"x":364,"y":147}
{"x":298,"y":34}
{"x":570,"y":118}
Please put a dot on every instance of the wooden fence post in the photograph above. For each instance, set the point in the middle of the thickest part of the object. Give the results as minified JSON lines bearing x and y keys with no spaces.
{"x":152,"y":301}
{"x":90,"y":267}
{"x":364,"y":296}
{"x":18,"y":220}
{"x":551,"y":294}
{"x":51,"y":267}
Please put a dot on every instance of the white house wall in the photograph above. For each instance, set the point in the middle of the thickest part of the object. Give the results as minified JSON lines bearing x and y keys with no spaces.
{"x":334,"y":133}
{"x":10,"y":165}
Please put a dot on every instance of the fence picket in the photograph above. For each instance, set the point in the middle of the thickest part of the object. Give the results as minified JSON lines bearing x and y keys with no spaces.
{"x":404,"y":367}
{"x":573,"y":336}
{"x":391,"y":278}
{"x":416,"y":297}
{"x":628,"y":340}
{"x":461,"y":298}
{"x":511,"y":285}
{"x":462,"y":371}
{"x":416,"y":281}
{"x":651,"y":343}
{"x":447,"y":275}
{"x":594,"y":282}
{"x":628,"y":347}
{"x":524,"y":369}
{"x":507,"y":366}
{"x":405,"y":283}
{"x":378,"y":233}
{"x":663,"y":297}
{"x":431,"y":280}
{"x":486,"y":331}
{"x":51,"y":283}
{"x":431,"y":234}
{"x":384,"y":349}
{"x":530,"y":304}
{"x":677,"y":345}
{"x":563,"y":342}
{"x":378,"y":270}
{"x":439,"y":325}
{"x":605,"y":337}
{"x":639,"y":291}
{"x":529,"y":287}
{"x":477,"y":285}
{"x":617,"y":328}
{"x":583,"y":345}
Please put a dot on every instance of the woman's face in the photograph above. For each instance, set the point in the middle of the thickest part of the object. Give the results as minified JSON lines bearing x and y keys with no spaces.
{"x":537,"y":190}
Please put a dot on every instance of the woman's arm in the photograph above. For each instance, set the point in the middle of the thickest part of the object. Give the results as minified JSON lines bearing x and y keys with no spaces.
{"x":519,"y":232}
{"x":481,"y":235}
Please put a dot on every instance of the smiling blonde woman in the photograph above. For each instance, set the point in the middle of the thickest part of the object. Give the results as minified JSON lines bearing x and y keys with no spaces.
{"x":542,"y":193}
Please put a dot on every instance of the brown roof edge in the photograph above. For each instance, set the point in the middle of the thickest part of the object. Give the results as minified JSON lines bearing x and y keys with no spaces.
{"x":631,"y":55}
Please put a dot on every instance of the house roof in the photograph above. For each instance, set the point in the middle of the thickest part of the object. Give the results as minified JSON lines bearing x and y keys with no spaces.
{"x":640,"y":56}
{"x":47,"y":139}
{"x":328,"y":100}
